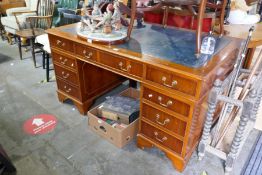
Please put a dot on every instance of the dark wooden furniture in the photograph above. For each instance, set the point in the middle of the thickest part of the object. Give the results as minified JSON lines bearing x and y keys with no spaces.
{"x":37,"y":24}
{"x":241,"y":32}
{"x":174,"y":84}
{"x":6,"y":166}
{"x":7,"y":4}
{"x":193,"y":8}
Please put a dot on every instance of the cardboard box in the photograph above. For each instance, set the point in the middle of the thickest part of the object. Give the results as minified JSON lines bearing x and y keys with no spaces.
{"x":118,"y":136}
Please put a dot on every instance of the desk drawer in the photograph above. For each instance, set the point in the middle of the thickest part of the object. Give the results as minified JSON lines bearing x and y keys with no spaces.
{"x":61,"y":43}
{"x":167,"y":102}
{"x":164,"y":120}
{"x":85,"y":52}
{"x":172,"y":80}
{"x":68,"y":89}
{"x":122,"y":64}
{"x":66,"y":75}
{"x":64,"y":60}
{"x":161,"y":137}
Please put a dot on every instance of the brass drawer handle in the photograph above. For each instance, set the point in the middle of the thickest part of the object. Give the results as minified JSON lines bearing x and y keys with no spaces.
{"x":150,"y":95}
{"x":67,"y":90}
{"x":88,"y":55}
{"x":169,"y":102}
{"x":174,"y":83}
{"x":160,"y":140}
{"x":65,"y":75}
{"x":123,"y":69}
{"x":64,"y":61}
{"x":162,"y":123}
{"x":60,"y":43}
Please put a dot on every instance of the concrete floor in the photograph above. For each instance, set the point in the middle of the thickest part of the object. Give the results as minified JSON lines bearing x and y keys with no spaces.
{"x":72,"y":148}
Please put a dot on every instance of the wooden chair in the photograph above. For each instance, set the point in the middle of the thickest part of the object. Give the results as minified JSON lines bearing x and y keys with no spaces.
{"x":36,"y":25}
{"x":11,"y":7}
{"x":194,"y":8}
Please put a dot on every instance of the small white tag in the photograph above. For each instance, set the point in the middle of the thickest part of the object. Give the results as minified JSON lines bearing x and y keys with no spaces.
{"x":100,"y":121}
{"x":89,"y":40}
{"x":115,"y":49}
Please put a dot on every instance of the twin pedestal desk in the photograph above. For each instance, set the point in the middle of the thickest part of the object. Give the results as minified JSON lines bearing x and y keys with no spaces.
{"x":174,"y":84}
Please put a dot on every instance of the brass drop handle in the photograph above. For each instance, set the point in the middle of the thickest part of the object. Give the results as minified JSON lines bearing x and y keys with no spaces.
{"x":123,"y":69}
{"x":174,"y":82}
{"x":150,"y":95}
{"x":67,"y":90}
{"x":169,"y":102}
{"x":162,"y":123}
{"x":160,"y":140}
{"x":60,"y":43}
{"x":65,"y":75}
{"x":63,"y":62}
{"x":88,"y":55}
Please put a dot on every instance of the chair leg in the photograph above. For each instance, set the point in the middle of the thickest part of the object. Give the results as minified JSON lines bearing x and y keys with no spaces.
{"x":200,"y":17}
{"x":47,"y":66}
{"x":44,"y":57}
{"x":19,"y":47}
{"x":33,"y":50}
{"x":9,"y":38}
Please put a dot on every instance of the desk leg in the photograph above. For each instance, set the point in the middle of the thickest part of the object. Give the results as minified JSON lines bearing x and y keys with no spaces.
{"x":177,"y":162}
{"x":82,"y":107}
{"x":249,"y":57}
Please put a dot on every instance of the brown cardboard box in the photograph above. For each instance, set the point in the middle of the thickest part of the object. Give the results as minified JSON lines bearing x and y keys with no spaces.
{"x":118,"y":136}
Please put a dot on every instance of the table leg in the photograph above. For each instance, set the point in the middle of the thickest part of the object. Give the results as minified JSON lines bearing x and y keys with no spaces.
{"x":249,"y":57}
{"x":32,"y":42}
{"x":44,"y":57}
{"x":47,"y":67}
{"x":19,"y":47}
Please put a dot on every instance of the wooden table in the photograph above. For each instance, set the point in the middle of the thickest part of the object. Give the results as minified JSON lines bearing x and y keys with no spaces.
{"x":174,"y":84}
{"x":241,"y":32}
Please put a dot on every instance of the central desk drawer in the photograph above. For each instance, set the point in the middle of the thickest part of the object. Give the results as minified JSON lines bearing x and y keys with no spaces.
{"x":61,"y":43}
{"x":68,"y":89}
{"x":172,"y":80}
{"x":66,"y":75}
{"x":161,"y":137}
{"x":164,"y":120}
{"x":64,"y":60}
{"x":85,"y":52}
{"x":122,"y":64}
{"x":167,"y":102}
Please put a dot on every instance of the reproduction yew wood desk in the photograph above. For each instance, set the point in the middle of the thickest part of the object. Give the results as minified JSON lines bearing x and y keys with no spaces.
{"x":174,"y":84}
